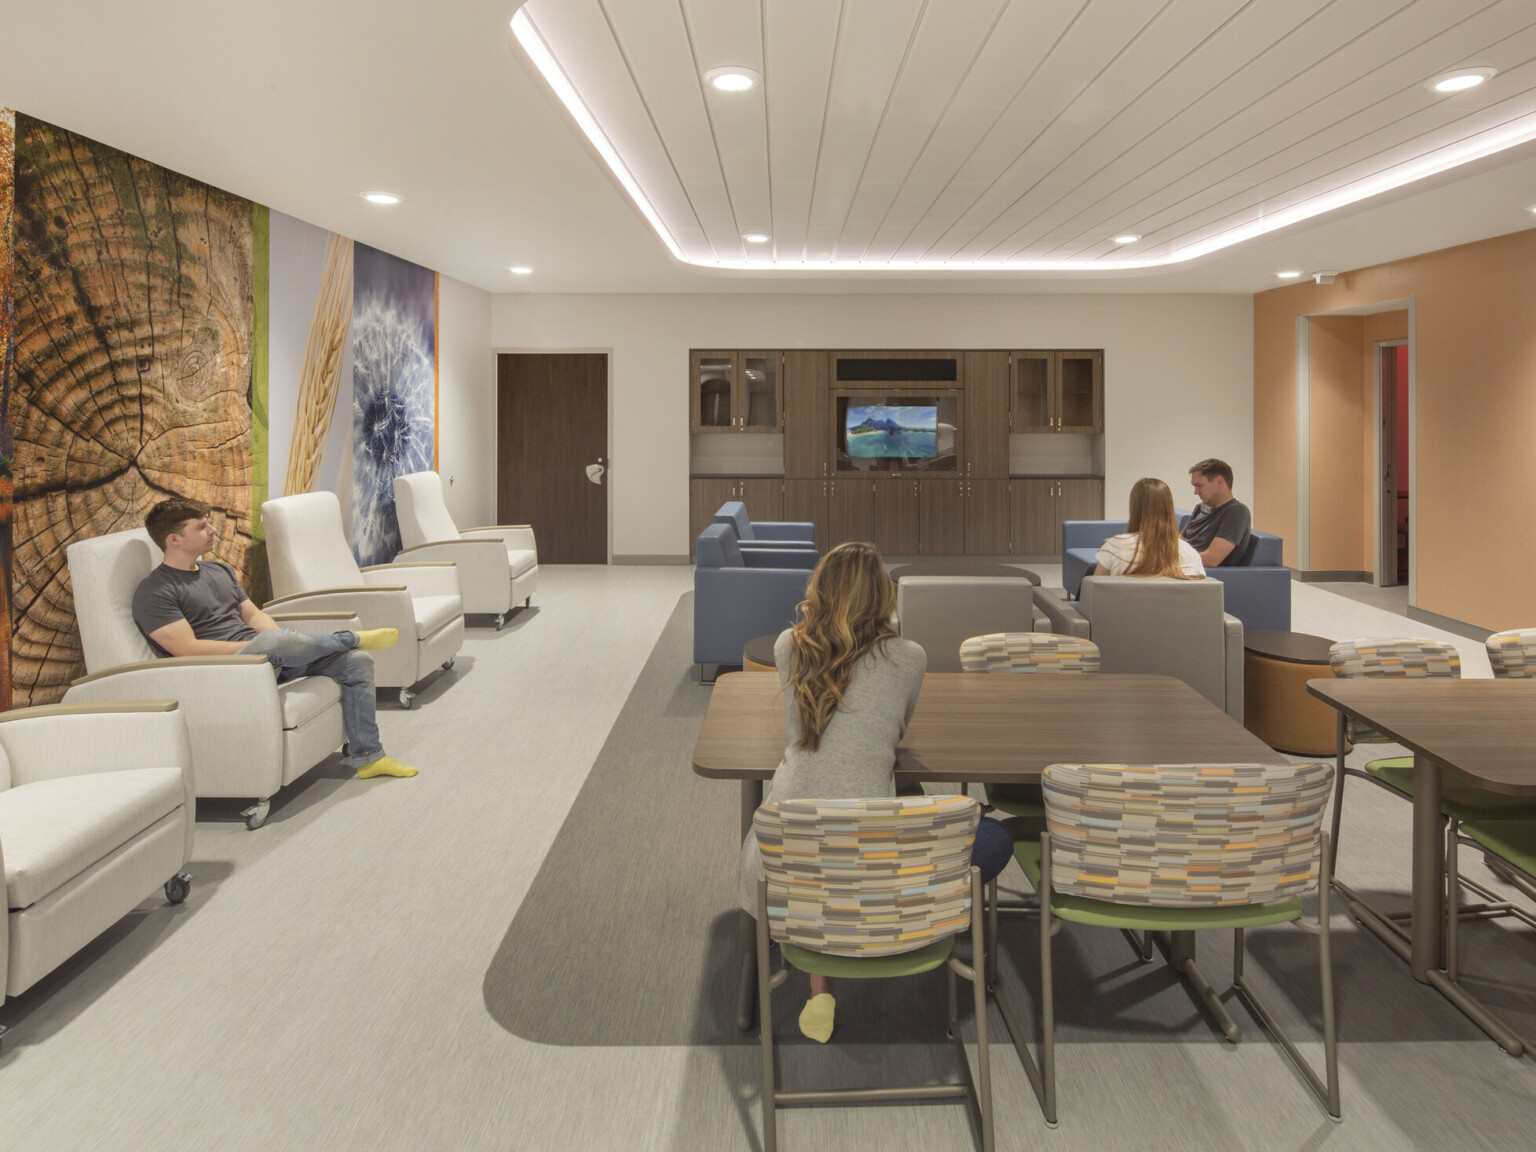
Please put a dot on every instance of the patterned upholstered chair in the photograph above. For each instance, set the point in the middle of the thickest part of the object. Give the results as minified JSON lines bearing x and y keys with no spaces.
{"x":856,"y":889}
{"x":1025,"y":652}
{"x":1178,"y":848}
{"x":1513,"y":653}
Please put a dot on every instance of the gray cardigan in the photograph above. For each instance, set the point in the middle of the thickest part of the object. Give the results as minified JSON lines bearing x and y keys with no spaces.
{"x":857,"y":756}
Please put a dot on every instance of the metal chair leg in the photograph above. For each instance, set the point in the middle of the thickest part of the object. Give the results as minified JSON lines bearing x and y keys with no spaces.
{"x":1342,"y":730}
{"x":1452,"y":937}
{"x":1047,"y":992}
{"x":980,"y":966}
{"x":765,"y":1021}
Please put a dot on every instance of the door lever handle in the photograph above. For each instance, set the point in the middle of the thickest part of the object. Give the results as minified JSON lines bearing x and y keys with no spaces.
{"x":595,"y":473}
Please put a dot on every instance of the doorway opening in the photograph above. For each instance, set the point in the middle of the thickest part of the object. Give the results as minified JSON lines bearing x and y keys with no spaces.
{"x":1392,"y":379}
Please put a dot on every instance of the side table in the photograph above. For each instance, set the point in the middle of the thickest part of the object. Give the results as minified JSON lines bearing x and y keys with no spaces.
{"x":1276,"y":705}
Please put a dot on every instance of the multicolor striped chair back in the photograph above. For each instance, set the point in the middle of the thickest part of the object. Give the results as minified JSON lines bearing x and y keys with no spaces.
{"x":867,"y":877}
{"x":1397,"y":657}
{"x":1513,"y":653}
{"x":1028,"y":652}
{"x":1185,"y":835}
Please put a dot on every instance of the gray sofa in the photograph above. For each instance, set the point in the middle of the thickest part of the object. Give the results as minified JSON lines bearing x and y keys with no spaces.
{"x":1258,"y":585}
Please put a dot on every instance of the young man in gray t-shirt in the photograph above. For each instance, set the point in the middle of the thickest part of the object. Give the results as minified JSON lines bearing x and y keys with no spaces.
{"x":189,"y":606}
{"x":1221,"y":525}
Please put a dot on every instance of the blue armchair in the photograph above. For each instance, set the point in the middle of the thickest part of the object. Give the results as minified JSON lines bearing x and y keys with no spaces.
{"x":1258,"y":587}
{"x":742,"y":593}
{"x":769,"y":533}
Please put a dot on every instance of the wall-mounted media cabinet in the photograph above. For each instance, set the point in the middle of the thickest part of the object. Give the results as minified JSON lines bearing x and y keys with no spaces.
{"x":922,"y":452}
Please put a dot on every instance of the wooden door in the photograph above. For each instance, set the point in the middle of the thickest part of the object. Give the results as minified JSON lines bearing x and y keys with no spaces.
{"x":807,"y":500}
{"x":551,"y":423}
{"x":1080,"y":392}
{"x":985,"y":443}
{"x":704,"y":499}
{"x":807,"y":407}
{"x":943,"y":523}
{"x":897,"y":513}
{"x":850,"y":510}
{"x":986,"y":517}
{"x":763,"y":497}
{"x":1032,"y":510}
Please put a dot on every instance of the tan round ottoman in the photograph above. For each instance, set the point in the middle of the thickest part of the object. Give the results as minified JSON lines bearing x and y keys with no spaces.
{"x":1276,"y":705}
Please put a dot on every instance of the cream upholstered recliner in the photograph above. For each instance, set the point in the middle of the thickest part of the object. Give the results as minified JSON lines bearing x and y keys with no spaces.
{"x":250,"y":735}
{"x":498,"y":566}
{"x":313,"y":568}
{"x":96,"y":812}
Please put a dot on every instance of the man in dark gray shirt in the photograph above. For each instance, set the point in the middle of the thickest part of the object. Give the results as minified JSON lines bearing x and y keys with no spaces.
{"x":1221,"y":524}
{"x":189,"y":606}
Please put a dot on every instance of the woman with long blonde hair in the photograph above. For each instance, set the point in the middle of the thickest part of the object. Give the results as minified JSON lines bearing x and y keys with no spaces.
{"x":850,"y":684}
{"x":1150,"y":545}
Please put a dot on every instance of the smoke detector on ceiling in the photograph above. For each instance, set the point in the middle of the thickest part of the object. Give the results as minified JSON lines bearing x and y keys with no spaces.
{"x":1324,"y":277}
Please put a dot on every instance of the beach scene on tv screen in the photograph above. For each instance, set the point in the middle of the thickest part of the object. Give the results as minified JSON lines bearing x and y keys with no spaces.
{"x":885,"y":430}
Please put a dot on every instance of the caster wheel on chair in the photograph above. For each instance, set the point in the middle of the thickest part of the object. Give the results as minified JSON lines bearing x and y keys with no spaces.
{"x":407,"y":698}
{"x":177,"y":887}
{"x":501,"y":621}
{"x":256,"y":815}
{"x":448,"y":663}
{"x":528,"y":600}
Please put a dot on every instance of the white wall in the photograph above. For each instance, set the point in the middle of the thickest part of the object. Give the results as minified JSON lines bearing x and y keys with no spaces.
{"x":466,"y":398}
{"x":1178,"y":373}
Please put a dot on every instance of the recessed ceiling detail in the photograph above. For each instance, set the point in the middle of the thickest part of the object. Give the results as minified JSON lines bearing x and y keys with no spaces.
{"x":1022,"y":135}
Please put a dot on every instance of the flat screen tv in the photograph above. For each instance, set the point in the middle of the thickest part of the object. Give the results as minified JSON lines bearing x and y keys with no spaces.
{"x":896,"y":432}
{"x":903,"y":431}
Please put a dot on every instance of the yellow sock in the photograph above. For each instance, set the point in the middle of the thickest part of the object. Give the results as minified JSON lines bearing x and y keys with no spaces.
{"x":374,"y":639}
{"x":816,"y":1017}
{"x":385,"y":766}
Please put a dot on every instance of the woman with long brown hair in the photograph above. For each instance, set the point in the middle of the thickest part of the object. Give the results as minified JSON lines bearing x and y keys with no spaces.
{"x":1150,"y":545}
{"x":850,"y":684}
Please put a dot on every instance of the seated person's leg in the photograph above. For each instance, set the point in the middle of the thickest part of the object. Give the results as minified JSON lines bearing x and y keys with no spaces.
{"x":992,"y":850}
{"x":353,"y":671}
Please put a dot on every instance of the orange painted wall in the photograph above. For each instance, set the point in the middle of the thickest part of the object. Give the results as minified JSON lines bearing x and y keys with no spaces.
{"x":1476,"y":361}
{"x":1338,"y":472}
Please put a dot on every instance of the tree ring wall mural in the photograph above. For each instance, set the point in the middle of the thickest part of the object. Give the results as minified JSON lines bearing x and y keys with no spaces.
{"x":133,"y":370}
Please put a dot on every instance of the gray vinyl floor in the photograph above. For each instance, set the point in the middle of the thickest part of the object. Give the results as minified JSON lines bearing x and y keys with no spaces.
{"x":326,"y":985}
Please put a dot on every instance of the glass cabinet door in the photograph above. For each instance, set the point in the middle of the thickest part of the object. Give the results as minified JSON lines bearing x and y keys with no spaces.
{"x":1030,"y":408}
{"x":760,"y":392}
{"x":1080,"y":407}
{"x":713,"y":380}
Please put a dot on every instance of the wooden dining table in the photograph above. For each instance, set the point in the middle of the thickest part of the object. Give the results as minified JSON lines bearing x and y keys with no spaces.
{"x":1483,"y":731}
{"x":990,"y":729}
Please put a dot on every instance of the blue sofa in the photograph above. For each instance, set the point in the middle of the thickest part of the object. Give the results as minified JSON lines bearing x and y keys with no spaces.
{"x":742,"y":593}
{"x":1258,"y":587}
{"x":767,"y":534}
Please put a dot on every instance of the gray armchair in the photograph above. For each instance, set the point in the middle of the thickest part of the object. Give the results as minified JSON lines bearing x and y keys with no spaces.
{"x":942,"y":612}
{"x":1165,"y":627}
{"x":740,"y":594}
{"x":768,"y":533}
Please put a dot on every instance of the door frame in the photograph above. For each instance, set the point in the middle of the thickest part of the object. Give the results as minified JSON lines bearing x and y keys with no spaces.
{"x":1303,"y":366}
{"x":1383,"y":558}
{"x":496,"y":353}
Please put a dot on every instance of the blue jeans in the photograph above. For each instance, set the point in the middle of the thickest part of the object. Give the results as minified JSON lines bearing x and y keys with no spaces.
{"x":993,"y":848}
{"x":335,"y":655}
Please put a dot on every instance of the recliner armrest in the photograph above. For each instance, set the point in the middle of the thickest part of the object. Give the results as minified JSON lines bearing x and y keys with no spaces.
{"x":1234,"y":679}
{"x":420,"y":577}
{"x":513,"y":536}
{"x":318,"y":623}
{"x":482,"y":564}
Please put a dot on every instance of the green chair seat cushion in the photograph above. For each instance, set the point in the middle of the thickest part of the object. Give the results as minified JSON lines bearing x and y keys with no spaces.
{"x":1017,"y":799}
{"x":1458,"y":798}
{"x":1082,"y":910}
{"x":923,"y":959}
{"x":1513,"y":841}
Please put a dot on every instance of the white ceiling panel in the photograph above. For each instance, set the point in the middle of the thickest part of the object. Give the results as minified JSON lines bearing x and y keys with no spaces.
{"x":1025,"y":134}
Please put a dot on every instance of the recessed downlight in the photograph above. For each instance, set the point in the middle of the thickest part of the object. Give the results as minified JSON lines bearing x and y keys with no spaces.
{"x":1127,"y":237}
{"x":1288,"y":275}
{"x":732,"y":79}
{"x":381,"y":198}
{"x":1459,"y":80}
{"x":756,"y":237}
{"x":521,"y":270}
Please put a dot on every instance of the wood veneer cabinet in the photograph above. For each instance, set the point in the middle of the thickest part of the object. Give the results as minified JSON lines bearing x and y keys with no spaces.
{"x":850,"y":510}
{"x":898,"y":515}
{"x":986,"y":518}
{"x":941,"y":528}
{"x":1038,"y":505}
{"x":806,"y":500}
{"x":736,"y":392}
{"x":985,"y":435}
{"x":806,"y":413}
{"x":1056,"y":391}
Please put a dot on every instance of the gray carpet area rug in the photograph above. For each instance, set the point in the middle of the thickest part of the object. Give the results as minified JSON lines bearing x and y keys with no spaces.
{"x":627,"y":936}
